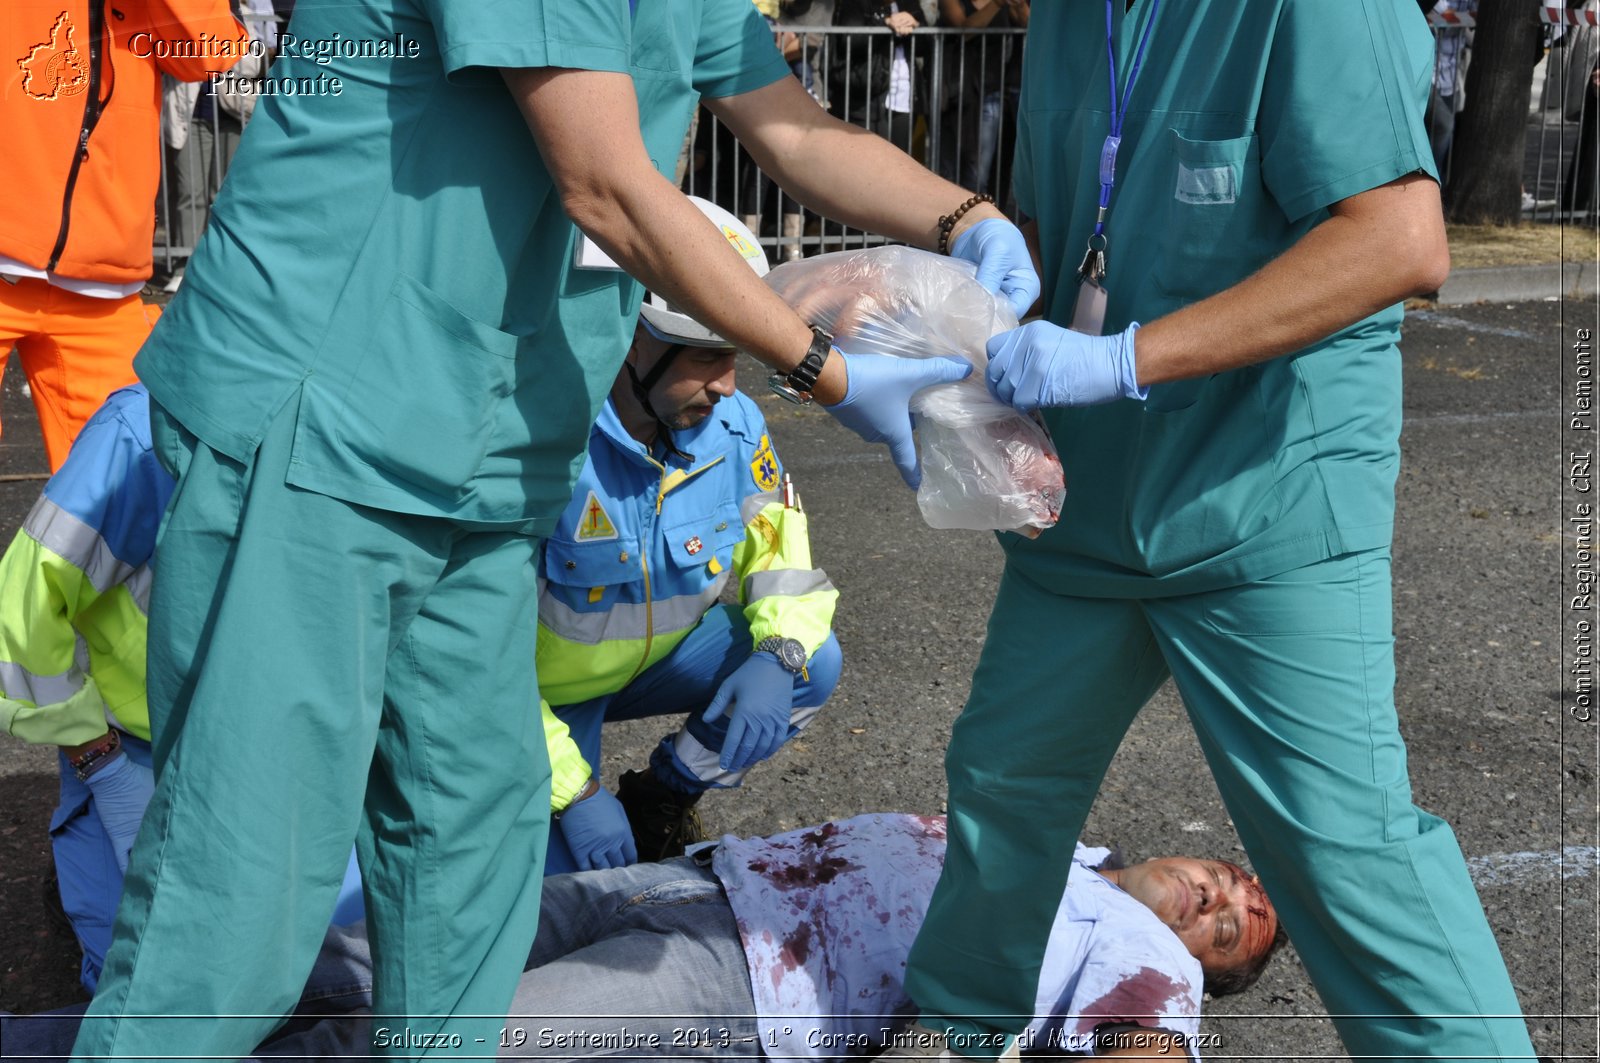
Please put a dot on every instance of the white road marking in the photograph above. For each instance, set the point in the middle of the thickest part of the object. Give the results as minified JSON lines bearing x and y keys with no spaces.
{"x":1514,"y":869}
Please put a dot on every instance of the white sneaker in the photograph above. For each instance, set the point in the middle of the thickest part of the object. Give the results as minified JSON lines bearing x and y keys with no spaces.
{"x":921,"y":1042}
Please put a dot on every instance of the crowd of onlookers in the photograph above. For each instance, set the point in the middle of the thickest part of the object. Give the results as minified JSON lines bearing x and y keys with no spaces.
{"x":949,"y":99}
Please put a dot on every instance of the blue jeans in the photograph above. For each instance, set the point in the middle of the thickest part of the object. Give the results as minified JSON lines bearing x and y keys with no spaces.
{"x":683,"y":683}
{"x":977,"y":171}
{"x":642,"y":960}
{"x":979,"y":166}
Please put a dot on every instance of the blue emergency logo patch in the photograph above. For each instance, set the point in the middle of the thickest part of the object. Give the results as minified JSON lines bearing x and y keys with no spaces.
{"x":764,"y":466}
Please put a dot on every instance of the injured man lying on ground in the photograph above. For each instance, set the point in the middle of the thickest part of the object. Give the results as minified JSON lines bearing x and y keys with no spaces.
{"x":794,"y":946}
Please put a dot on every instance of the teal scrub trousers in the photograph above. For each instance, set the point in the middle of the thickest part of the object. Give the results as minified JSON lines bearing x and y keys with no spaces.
{"x":320,"y":673}
{"x":1289,"y":683}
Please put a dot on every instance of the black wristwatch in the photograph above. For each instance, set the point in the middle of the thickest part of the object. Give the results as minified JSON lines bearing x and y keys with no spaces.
{"x":791,"y":653}
{"x":796,"y":385}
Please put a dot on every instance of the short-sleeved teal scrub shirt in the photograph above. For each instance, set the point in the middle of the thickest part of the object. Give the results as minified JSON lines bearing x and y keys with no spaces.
{"x":1246,"y":122}
{"x":395,"y":255}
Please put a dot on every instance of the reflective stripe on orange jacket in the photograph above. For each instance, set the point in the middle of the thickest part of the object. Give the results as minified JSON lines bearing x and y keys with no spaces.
{"x":80,"y":100}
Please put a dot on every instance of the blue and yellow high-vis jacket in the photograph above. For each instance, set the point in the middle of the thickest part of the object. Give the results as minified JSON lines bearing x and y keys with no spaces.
{"x":646,"y":547}
{"x":75,"y":590}
{"x":75,"y":586}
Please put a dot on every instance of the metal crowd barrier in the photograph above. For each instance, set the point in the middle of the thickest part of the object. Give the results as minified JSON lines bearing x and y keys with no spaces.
{"x":961,"y":122}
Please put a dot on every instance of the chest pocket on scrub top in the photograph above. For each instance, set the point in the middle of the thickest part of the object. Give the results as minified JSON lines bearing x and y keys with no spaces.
{"x":1213,"y":194}
{"x":1209,"y":232}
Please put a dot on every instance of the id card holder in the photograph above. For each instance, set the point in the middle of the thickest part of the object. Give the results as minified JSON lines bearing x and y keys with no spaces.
{"x":1089,"y":315}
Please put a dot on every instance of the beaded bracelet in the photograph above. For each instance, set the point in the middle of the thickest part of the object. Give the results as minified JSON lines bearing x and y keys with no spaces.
{"x":947,"y":222}
{"x":96,"y":756}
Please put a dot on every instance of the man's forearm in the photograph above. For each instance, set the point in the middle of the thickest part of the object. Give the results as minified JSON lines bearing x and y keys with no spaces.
{"x":1377,"y":248}
{"x":586,"y":126}
{"x":841,"y":171}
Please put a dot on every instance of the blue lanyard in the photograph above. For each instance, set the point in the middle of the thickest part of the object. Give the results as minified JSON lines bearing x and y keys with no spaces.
{"x":1108,"y":152}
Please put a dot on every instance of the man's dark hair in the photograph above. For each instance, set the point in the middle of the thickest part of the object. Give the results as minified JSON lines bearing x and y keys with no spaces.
{"x":1238,"y":979}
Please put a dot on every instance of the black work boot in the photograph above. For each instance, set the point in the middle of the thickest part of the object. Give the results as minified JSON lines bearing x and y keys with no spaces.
{"x":663,"y":819}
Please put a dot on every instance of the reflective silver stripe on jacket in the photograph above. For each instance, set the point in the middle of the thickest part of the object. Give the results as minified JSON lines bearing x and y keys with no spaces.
{"x":785,"y":583}
{"x":752,"y":505}
{"x":23,"y":685}
{"x":71,"y":539}
{"x":629,"y":620}
{"x":139,"y":588}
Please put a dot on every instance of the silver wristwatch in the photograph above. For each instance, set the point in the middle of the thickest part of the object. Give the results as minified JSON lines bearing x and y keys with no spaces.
{"x":791,"y":653}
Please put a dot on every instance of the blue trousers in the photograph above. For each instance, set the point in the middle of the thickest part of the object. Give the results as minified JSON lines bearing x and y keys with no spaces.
{"x":86,"y":863}
{"x":683,"y":683}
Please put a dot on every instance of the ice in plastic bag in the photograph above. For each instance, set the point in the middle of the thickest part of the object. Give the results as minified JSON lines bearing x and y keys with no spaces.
{"x":984,"y":465}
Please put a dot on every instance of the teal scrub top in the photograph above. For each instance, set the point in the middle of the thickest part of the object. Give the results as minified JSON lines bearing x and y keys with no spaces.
{"x":1247,"y":121}
{"x":394,"y":256}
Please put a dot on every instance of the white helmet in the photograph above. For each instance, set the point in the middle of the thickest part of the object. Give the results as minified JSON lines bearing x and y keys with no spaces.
{"x":669,"y":324}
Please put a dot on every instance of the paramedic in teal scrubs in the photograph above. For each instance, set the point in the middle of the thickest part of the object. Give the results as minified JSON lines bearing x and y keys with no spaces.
{"x":375,"y":389}
{"x":1231,"y":469}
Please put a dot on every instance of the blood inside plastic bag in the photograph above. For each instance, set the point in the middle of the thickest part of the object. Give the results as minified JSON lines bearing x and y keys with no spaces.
{"x":984,"y":465}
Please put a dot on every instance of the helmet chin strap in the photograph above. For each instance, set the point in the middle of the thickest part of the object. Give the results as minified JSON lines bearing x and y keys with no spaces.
{"x":641,"y":392}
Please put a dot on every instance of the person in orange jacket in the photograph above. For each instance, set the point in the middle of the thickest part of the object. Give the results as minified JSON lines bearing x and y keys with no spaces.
{"x":80,"y":96}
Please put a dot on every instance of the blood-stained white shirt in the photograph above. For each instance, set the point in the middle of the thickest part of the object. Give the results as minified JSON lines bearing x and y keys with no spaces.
{"x":828,"y":915}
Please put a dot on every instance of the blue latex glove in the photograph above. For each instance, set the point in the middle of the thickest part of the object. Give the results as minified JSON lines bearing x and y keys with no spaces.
{"x":1042,"y":364}
{"x":122,"y":791}
{"x":596,"y":830}
{"x":999,"y":251}
{"x":877,"y":402}
{"x":762,"y":693}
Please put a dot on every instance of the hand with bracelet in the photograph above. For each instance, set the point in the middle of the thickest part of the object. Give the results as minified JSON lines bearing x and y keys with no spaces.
{"x":121,"y":789}
{"x":997,"y":248}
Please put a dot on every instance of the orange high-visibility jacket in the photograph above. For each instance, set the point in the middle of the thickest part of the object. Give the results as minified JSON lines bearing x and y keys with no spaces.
{"x":80,"y":101}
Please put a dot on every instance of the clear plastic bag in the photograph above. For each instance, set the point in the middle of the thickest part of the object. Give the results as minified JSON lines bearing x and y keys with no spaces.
{"x":984,"y":465}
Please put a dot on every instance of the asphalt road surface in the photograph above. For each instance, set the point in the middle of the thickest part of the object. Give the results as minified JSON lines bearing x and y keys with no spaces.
{"x":1479,"y":606}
